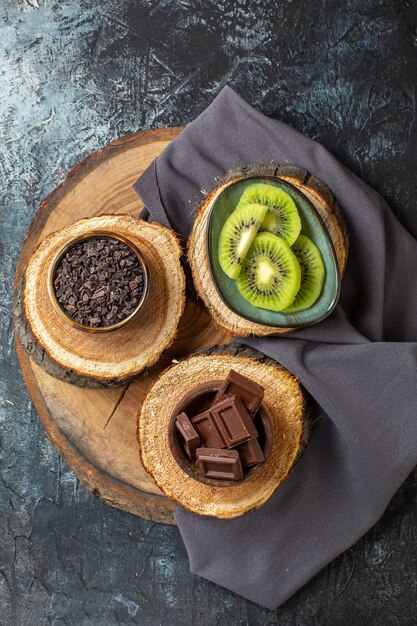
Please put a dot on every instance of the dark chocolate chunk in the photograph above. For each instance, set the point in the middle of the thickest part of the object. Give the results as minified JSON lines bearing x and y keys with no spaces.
{"x":238,"y":385}
{"x":88,"y":277}
{"x":250,"y":453}
{"x":189,"y":436}
{"x":233,"y":422}
{"x":217,"y":463}
{"x":208,"y":431}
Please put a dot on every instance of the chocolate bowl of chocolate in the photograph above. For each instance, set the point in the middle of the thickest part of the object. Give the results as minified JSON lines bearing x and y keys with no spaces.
{"x":98,"y":281}
{"x":199,"y":463}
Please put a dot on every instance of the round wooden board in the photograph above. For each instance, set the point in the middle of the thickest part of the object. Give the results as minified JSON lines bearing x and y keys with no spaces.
{"x":288,"y":431}
{"x":94,"y":430}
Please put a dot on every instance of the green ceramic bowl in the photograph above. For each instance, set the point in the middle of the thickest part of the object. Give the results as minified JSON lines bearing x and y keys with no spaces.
{"x":312,"y":226}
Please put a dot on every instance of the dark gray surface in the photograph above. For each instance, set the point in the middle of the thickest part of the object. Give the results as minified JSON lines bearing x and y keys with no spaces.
{"x":74,"y":77}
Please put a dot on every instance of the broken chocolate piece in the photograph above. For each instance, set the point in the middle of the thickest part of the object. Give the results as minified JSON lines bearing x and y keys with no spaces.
{"x":233,"y":422}
{"x":250,"y":453}
{"x":190,"y":439}
{"x":223,"y":464}
{"x":90,"y":287}
{"x":208,"y":430}
{"x":237,"y":385}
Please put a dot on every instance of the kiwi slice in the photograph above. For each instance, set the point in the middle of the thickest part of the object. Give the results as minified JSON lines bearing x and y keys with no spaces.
{"x":312,"y":274}
{"x":282,"y":218}
{"x":237,"y":234}
{"x":270,"y":276}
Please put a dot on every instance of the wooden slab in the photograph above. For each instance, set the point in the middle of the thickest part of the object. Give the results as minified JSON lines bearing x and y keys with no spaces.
{"x":319,"y":194}
{"x":92,"y":359}
{"x":94,"y":430}
{"x":285,"y":436}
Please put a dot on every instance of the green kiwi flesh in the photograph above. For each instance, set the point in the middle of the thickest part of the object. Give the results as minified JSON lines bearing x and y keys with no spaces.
{"x":312,"y":274}
{"x":270,"y":277}
{"x":237,"y":235}
{"x":282,"y":217}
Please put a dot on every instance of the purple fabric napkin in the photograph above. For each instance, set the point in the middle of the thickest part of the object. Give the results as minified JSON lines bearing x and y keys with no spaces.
{"x":360,"y":364}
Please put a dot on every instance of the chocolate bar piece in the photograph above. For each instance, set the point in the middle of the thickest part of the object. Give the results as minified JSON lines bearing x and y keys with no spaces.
{"x":216,"y":463}
{"x":208,"y":430}
{"x":250,"y":453}
{"x":233,"y":422}
{"x":189,"y":437}
{"x":237,"y":385}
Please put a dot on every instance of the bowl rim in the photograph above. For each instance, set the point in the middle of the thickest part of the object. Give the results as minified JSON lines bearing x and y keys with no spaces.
{"x":92,"y":234}
{"x":293,"y":188}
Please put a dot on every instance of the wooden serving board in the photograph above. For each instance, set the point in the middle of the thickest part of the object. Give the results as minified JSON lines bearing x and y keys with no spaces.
{"x":94,"y":430}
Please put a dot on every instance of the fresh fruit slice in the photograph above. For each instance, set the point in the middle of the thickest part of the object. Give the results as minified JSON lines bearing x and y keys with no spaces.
{"x":270,"y":276}
{"x":237,"y":235}
{"x":282,"y":218}
{"x":312,"y":274}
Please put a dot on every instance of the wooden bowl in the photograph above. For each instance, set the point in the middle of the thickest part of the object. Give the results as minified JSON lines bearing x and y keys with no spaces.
{"x":198,"y":400}
{"x":65,"y":248}
{"x":286,"y":432}
{"x":313,"y":226}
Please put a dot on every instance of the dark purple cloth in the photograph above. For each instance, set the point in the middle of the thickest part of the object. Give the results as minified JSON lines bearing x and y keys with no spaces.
{"x":359,"y":364}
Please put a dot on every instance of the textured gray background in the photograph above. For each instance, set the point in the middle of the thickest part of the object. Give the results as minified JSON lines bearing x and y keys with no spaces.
{"x":76,"y":74}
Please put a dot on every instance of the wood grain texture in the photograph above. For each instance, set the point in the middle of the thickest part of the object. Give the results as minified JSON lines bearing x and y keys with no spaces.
{"x":105,"y":359}
{"x":95,"y":429}
{"x":287,"y":410}
{"x":75,"y":75}
{"x":317,"y":192}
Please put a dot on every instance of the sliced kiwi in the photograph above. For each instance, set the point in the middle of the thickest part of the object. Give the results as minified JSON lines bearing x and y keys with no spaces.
{"x":270,"y":276}
{"x":312,"y":274}
{"x":282,"y":218}
{"x":237,"y":234}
